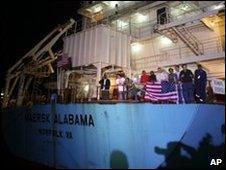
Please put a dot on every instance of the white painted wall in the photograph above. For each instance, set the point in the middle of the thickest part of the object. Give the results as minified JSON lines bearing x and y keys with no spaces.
{"x":98,"y":44}
{"x":157,"y":52}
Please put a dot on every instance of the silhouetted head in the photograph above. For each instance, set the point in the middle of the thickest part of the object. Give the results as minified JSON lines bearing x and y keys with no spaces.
{"x":206,"y":141}
{"x":184,"y":66}
{"x":199,"y":66}
{"x":118,"y":160}
{"x":177,"y":68}
{"x":170,"y":70}
{"x":143,"y":72}
{"x":104,"y":76}
{"x":159,"y":69}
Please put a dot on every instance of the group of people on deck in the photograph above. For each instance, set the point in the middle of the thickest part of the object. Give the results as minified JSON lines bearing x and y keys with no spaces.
{"x":190,"y":87}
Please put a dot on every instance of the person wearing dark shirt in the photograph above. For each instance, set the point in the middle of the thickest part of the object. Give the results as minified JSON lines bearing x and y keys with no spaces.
{"x":152,"y":77}
{"x":178,"y":85}
{"x":186,"y":77}
{"x":105,"y":85}
{"x":172,"y":79}
{"x":200,"y":82}
{"x":210,"y":97}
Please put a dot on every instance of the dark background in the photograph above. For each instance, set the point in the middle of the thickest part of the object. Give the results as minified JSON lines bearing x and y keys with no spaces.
{"x":23,"y":25}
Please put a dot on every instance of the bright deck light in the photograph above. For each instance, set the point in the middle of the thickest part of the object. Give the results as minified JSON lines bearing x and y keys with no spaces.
{"x":165,"y":41}
{"x":97,"y":9}
{"x":136,"y":47}
{"x":86,"y":88}
{"x":113,"y":3}
{"x":141,"y":17}
{"x":219,"y":6}
{"x":121,"y":23}
{"x":185,"y":7}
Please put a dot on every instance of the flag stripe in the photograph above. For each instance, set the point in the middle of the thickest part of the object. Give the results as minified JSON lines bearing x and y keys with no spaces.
{"x":154,"y":93}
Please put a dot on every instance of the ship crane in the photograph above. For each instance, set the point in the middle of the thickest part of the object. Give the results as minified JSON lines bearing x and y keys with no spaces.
{"x":37,"y":63}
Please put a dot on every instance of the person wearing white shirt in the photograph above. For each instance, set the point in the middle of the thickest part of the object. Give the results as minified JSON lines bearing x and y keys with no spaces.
{"x":162,"y":77}
{"x":120,"y":84}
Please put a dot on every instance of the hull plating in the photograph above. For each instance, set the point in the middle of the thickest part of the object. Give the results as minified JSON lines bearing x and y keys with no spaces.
{"x":111,"y":135}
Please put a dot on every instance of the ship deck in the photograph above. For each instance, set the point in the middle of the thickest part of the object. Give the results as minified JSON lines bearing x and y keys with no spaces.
{"x":130,"y":102}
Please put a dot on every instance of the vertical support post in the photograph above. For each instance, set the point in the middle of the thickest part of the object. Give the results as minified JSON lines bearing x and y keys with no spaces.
{"x":75,"y":30}
{"x":180,"y":56}
{"x":58,"y":80}
{"x":13,"y":86}
{"x":21,"y":91}
{"x":51,"y":70}
{"x":6,"y":93}
{"x":51,"y":54}
{"x":84,"y":23}
{"x":130,"y":25}
{"x":99,"y":66}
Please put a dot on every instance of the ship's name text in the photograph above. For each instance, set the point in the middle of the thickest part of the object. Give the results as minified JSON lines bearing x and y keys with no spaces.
{"x":68,"y":119}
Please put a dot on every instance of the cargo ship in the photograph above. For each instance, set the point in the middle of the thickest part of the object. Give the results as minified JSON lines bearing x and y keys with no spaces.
{"x":52,"y":112}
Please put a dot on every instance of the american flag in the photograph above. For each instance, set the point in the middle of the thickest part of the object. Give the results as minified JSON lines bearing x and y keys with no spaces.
{"x":63,"y":60}
{"x":154,"y":92}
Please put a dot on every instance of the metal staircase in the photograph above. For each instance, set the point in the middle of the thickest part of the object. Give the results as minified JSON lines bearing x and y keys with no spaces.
{"x":179,"y":31}
{"x":189,"y":39}
{"x":169,"y":33}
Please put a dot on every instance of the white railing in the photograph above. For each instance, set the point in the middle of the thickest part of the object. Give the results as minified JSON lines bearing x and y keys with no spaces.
{"x":149,"y":62}
{"x":210,"y":46}
{"x":147,"y":28}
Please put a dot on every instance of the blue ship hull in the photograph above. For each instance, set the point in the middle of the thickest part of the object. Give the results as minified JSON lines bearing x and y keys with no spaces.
{"x":122,"y":135}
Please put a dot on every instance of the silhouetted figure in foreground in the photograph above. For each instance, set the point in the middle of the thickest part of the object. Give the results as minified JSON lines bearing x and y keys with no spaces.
{"x":198,"y":158}
{"x":118,"y":160}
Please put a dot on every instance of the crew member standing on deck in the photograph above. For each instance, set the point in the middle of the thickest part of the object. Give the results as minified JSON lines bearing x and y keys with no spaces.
{"x":186,"y":77}
{"x":162,"y":77}
{"x":143,"y":81}
{"x":172,"y":80}
{"x":105,"y":85}
{"x":200,"y":84}
{"x":120,"y":84}
{"x":152,"y":77}
{"x":144,"y":78}
{"x":178,"y":85}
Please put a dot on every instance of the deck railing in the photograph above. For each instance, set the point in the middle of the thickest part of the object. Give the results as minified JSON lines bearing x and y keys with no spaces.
{"x":213,"y":46}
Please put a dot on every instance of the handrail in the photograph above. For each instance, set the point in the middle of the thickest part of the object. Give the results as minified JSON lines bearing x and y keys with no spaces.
{"x":209,"y":45}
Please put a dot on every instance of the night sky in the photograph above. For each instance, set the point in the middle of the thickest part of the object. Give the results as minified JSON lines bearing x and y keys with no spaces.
{"x":24,"y":24}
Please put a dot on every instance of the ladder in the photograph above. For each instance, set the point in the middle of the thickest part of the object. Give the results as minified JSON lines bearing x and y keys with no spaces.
{"x":169,"y":33}
{"x":189,"y":39}
{"x":179,"y":31}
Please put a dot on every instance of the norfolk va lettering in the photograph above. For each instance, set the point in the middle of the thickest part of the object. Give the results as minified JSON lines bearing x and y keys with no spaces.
{"x":63,"y":119}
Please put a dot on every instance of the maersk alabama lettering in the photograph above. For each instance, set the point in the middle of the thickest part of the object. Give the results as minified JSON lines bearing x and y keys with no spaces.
{"x":69,"y":119}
